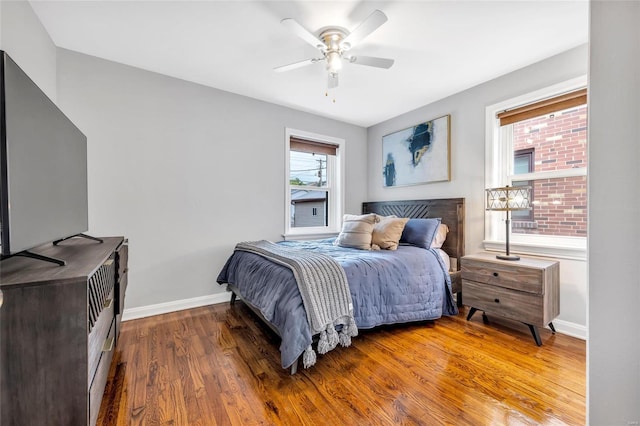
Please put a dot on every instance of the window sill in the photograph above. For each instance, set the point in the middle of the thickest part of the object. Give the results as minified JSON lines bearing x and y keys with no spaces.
{"x":309,"y":235}
{"x":573,"y":252}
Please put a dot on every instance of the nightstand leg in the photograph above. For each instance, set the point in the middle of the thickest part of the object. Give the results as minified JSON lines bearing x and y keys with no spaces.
{"x":553,"y":329}
{"x":535,"y":334}
{"x":471,"y":312}
{"x":485,"y":318}
{"x":233,"y":298}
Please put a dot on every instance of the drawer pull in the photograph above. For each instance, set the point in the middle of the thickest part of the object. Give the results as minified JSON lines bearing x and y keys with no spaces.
{"x":108,"y":303}
{"x":1,"y":298}
{"x":495,"y":274}
{"x":496,"y":300}
{"x":108,"y":344}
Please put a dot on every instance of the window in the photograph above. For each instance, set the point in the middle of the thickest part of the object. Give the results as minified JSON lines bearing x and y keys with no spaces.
{"x":313,"y":184}
{"x":523,"y":163}
{"x":540,"y":140}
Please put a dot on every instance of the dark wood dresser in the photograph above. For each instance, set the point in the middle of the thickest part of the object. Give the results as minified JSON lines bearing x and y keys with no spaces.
{"x":58,"y":328}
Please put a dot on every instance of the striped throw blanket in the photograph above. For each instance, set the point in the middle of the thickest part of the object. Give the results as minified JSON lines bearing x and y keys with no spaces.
{"x":324,"y":290}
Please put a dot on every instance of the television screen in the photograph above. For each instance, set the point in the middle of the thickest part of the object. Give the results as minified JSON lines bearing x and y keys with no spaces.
{"x":43,"y":166}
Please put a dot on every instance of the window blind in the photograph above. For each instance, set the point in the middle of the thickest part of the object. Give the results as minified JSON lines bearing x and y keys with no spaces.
{"x":546,"y":106}
{"x":312,"y":147}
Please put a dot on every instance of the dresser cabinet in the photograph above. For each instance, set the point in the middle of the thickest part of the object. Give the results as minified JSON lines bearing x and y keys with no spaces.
{"x":58,"y":326}
{"x":122,"y":275}
{"x":526,"y":290}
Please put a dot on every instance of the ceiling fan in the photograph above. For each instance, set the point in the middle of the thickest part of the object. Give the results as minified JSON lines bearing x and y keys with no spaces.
{"x":334,"y":44}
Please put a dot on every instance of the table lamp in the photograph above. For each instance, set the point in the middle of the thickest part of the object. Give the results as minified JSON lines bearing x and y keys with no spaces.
{"x":507,"y":199}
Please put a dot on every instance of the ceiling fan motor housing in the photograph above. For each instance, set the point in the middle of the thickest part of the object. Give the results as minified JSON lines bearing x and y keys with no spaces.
{"x":333,"y":50}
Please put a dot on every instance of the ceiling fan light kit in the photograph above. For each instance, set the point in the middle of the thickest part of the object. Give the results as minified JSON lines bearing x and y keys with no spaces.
{"x":334,"y":43}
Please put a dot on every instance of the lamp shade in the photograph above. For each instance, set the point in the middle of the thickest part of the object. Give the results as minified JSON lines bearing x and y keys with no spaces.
{"x":509,"y":198}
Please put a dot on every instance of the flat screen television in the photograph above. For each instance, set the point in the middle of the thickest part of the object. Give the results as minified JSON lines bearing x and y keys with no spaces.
{"x":43,"y":166}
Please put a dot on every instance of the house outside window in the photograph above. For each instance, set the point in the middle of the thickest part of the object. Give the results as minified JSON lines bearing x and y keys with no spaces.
{"x":545,"y":149}
{"x":314,"y":188}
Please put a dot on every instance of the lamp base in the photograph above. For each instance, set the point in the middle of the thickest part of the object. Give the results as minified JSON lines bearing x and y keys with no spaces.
{"x":507,"y":257}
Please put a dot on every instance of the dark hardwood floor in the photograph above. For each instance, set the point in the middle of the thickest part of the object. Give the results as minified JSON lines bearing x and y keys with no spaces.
{"x":219,"y":365}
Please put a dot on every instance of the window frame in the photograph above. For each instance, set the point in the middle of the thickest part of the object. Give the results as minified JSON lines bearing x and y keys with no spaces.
{"x":499,"y":172}
{"x":335,"y":187}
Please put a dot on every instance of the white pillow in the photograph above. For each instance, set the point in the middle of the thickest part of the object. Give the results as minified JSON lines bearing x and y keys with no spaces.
{"x":441,"y":235}
{"x":357,"y":231}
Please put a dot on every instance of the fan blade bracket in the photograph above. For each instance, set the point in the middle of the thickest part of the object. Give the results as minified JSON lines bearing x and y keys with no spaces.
{"x":371,"y":61}
{"x":298,"y":64}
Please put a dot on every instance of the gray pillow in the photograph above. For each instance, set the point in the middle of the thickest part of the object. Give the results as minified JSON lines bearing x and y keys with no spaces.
{"x":356,"y":231}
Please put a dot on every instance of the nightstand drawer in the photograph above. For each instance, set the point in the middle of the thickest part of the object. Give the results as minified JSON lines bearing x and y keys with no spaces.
{"x":516,"y":305}
{"x":508,"y":276}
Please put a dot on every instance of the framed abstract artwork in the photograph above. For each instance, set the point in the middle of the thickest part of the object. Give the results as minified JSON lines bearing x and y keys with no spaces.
{"x":418,"y":154}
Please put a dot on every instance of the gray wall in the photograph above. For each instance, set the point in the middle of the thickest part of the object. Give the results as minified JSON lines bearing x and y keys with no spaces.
{"x":614,"y":210}
{"x":185,"y":171}
{"x":24,"y":38}
{"x":467,"y":111}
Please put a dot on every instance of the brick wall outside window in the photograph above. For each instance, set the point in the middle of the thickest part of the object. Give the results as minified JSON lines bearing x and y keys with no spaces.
{"x":559,"y":141}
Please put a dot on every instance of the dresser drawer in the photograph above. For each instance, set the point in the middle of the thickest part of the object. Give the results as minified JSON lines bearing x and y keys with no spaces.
{"x":96,"y":390}
{"x":516,"y":305}
{"x":100,"y":333}
{"x":121,"y":291}
{"x":507,"y":276}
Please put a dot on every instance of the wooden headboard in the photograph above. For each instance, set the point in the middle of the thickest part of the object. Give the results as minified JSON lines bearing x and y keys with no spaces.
{"x":450,"y":210}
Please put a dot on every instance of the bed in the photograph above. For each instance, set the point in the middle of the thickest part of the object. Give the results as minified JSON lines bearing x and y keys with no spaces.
{"x":385,"y":287}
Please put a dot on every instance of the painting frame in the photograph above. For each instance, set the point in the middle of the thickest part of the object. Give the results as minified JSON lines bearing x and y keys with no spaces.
{"x":418,"y":154}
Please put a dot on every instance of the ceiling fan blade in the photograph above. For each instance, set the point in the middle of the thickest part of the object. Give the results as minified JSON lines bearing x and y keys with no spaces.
{"x":296,"y":65}
{"x":332,"y":83}
{"x":369,"y":25}
{"x":303,"y":33}
{"x":372,"y":61}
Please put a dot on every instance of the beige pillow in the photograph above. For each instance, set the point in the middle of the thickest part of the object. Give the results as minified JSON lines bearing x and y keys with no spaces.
{"x":441,"y":235}
{"x":388,"y":231}
{"x":356,"y":231}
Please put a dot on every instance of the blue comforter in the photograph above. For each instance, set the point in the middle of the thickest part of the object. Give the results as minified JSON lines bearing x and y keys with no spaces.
{"x":387,"y":287}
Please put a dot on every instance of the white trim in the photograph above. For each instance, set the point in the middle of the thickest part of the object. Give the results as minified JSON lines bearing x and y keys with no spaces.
{"x":571,"y":329}
{"x":545,"y":250}
{"x":309,"y":236}
{"x":337,"y":200}
{"x":564,"y":327}
{"x":176,"y":305}
{"x":551,"y":174}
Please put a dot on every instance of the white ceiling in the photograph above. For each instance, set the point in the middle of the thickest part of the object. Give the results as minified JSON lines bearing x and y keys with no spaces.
{"x":439,"y":47}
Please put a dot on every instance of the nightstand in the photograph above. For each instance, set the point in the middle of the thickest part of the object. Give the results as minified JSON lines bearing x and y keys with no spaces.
{"x":526,"y":290}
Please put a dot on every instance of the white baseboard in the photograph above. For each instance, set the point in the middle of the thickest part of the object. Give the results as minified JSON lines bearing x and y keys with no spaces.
{"x":571,"y":329}
{"x":564,"y":327}
{"x":176,"y":305}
